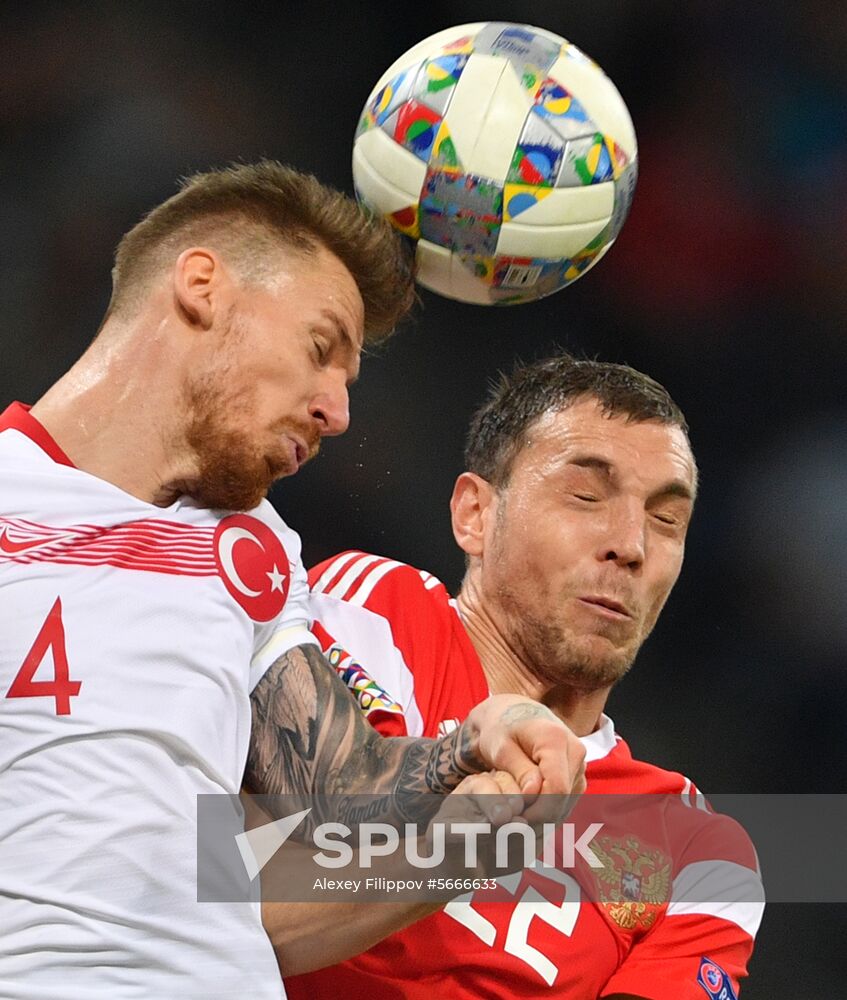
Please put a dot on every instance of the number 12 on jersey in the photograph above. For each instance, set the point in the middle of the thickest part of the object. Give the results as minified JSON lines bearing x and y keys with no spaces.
{"x":50,"y":638}
{"x":532,"y":905}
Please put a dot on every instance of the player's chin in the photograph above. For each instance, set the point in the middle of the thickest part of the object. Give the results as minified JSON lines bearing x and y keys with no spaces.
{"x":599,"y":662}
{"x":278,"y":467}
{"x":229,"y":495}
{"x":243,"y":488}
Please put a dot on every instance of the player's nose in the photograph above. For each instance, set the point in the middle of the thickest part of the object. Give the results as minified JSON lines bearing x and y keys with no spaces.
{"x":624,"y":542}
{"x":330,"y":408}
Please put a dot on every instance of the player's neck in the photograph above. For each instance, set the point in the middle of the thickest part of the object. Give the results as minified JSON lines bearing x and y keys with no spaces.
{"x":580,"y":710}
{"x":110,"y":414}
{"x":507,"y":673}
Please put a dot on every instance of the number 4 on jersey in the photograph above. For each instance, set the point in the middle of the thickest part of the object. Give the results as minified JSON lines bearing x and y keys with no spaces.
{"x":50,"y":637}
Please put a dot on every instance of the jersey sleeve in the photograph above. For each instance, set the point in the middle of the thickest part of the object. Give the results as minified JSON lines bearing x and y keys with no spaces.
{"x":701,"y":945}
{"x":389,"y":620}
{"x":290,"y":627}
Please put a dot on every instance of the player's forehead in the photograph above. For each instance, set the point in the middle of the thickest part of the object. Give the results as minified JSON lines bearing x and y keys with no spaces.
{"x":324,"y":289}
{"x":582,"y":435}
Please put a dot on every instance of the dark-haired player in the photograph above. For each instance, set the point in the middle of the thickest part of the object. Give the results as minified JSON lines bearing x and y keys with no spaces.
{"x":572,"y":514}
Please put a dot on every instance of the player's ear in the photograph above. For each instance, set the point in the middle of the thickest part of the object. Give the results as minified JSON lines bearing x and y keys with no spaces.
{"x":196,"y":279}
{"x":469,"y":506}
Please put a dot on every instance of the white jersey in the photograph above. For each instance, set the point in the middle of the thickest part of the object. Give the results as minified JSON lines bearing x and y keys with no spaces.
{"x":131,"y":638}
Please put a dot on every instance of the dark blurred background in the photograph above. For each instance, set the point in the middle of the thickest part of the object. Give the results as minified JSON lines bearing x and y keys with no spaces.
{"x":728,"y":283}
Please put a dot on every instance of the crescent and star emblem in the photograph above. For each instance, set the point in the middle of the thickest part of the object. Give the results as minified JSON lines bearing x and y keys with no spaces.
{"x":253,"y":565}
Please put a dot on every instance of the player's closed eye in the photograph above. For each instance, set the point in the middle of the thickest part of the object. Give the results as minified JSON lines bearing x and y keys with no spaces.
{"x":321,"y":350}
{"x":670,"y":519}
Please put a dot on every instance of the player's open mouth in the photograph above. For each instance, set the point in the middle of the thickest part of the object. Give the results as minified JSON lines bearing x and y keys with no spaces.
{"x":300,"y":452}
{"x":606,"y":606}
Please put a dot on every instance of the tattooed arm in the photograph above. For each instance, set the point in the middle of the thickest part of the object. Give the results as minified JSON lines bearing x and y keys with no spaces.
{"x":309,"y":936}
{"x":308,"y":736}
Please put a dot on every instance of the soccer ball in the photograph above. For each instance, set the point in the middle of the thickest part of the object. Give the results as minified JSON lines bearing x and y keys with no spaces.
{"x":505,"y":153}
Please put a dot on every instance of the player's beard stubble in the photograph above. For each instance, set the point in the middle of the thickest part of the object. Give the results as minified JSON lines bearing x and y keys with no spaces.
{"x":554,"y":648}
{"x":234,"y":471}
{"x":558,"y":657}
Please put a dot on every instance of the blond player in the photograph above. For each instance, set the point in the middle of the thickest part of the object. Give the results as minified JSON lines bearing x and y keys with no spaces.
{"x":153,"y":607}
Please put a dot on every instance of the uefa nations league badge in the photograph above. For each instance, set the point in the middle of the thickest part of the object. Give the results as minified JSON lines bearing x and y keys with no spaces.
{"x":715,"y":981}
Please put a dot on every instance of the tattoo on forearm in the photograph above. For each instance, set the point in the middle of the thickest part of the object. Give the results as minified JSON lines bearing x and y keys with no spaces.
{"x":309,"y":738}
{"x":456,"y":758}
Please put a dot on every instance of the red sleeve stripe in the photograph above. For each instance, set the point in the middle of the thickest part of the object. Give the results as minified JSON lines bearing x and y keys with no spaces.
{"x":342,"y":587}
{"x":27,"y":530}
{"x":370,"y":580}
{"x":367,"y":635}
{"x":331,"y":573}
{"x":153,"y":532}
{"x":325,"y":640}
{"x":151,"y":546}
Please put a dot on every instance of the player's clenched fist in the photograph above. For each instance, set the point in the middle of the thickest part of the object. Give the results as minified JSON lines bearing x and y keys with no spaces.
{"x":525,"y":739}
{"x":491,"y":796}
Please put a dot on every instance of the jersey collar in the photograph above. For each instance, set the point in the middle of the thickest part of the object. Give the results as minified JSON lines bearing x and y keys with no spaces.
{"x":17,"y":417}
{"x":601,"y":742}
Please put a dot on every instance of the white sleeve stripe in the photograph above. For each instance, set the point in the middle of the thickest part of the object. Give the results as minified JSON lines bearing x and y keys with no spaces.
{"x":721,"y":888}
{"x":283,"y":640}
{"x":367,"y":636}
{"x":333,"y":569}
{"x":278,"y":644}
{"x":747,"y":916}
{"x":432,"y":583}
{"x":355,"y":569}
{"x":371,"y":579}
{"x":693,"y":798}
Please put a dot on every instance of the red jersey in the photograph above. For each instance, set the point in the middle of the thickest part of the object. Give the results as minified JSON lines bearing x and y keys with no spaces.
{"x":396,"y":638}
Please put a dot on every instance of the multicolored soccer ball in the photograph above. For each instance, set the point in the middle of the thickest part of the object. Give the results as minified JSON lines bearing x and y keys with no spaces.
{"x":505,"y":153}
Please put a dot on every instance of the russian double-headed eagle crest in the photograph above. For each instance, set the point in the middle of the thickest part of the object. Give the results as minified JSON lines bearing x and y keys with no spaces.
{"x":633,"y":884}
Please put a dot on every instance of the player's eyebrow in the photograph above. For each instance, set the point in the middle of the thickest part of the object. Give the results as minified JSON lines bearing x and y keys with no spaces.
{"x":600,"y":465}
{"x":348,"y":344}
{"x":673,"y":488}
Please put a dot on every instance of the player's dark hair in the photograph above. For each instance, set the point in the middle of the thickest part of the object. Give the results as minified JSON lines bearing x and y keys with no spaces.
{"x":248,"y":211}
{"x":498,"y":429}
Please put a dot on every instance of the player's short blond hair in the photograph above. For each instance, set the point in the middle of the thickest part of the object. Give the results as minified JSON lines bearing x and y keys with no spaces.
{"x":248,"y":213}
